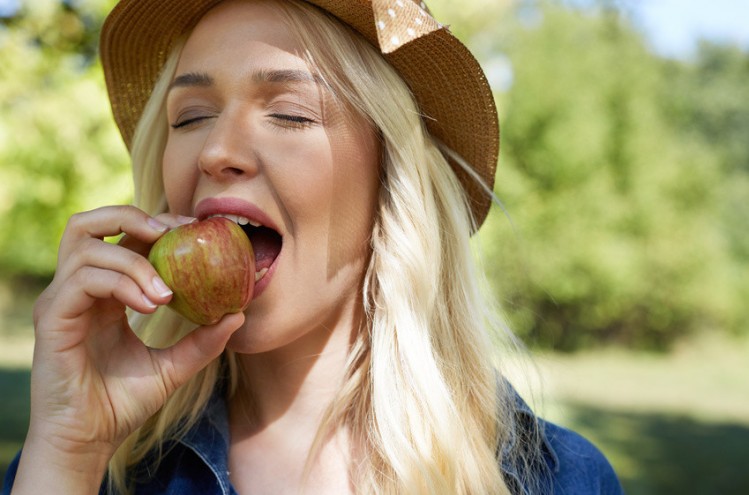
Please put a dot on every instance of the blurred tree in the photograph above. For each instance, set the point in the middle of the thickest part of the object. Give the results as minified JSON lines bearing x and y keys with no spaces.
{"x":708,"y":100}
{"x":59,"y":150}
{"x":617,"y":211}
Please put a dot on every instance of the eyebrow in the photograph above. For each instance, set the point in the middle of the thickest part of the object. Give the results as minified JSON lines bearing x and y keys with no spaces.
{"x":204,"y":80}
{"x":283,"y":76}
{"x":199,"y":79}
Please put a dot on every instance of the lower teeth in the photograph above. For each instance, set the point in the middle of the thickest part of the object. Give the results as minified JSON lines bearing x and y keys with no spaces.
{"x":260,"y":274}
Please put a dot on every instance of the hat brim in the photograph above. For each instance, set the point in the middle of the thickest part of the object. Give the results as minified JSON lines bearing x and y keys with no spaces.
{"x":445,"y":78}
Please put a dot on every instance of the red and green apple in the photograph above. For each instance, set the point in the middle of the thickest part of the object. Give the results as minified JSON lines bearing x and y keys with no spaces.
{"x":210,"y":267}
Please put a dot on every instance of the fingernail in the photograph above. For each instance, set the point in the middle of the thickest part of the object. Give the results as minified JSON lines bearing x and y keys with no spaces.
{"x":156,"y":225}
{"x":161,"y":287}
{"x":183,"y":220}
{"x":148,"y":302}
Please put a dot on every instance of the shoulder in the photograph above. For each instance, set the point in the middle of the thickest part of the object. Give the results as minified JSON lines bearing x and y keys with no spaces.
{"x":542,"y":457}
{"x":576,"y":465}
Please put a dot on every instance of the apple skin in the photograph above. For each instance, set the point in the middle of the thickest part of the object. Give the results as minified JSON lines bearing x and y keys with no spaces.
{"x":210,"y":267}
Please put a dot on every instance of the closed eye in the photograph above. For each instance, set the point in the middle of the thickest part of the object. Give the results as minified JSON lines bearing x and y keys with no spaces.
{"x":187,"y":122}
{"x":298,"y":120}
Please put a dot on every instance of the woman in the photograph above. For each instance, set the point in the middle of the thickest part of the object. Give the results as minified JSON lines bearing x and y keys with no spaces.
{"x":357,"y":138}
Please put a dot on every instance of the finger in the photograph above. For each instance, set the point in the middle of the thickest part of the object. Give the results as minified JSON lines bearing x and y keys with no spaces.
{"x":194,"y":352}
{"x":109,"y":221}
{"x":89,"y":285}
{"x":173,"y":220}
{"x":168,"y":219}
{"x":99,"y":254}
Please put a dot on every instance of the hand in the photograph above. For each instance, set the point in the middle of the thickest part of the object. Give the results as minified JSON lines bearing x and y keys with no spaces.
{"x":93,"y":382}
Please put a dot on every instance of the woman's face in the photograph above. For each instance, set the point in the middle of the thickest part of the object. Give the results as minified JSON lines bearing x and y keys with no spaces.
{"x":254,"y":134}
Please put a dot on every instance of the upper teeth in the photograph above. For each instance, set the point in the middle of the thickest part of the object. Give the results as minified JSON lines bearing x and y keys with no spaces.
{"x":237,"y":219}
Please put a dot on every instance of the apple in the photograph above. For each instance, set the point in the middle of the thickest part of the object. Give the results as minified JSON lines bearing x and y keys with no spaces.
{"x":210,"y":267}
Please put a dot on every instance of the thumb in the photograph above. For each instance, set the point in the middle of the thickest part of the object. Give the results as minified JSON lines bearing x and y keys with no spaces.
{"x":195,"y":351}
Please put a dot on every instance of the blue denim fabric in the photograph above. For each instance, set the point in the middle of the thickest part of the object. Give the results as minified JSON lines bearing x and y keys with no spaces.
{"x":197,"y":465}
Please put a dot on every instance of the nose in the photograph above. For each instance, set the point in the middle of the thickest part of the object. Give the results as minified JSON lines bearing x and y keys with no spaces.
{"x":228,"y":152}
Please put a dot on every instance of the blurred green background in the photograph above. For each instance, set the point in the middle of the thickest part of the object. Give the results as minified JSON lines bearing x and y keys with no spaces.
{"x":619,"y":255}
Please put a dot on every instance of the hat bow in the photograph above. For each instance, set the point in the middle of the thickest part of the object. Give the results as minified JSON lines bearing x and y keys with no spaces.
{"x":399,"y":22}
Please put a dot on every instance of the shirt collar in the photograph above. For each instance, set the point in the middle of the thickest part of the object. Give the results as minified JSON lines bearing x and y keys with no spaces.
{"x":209,"y":439}
{"x":527,"y":465}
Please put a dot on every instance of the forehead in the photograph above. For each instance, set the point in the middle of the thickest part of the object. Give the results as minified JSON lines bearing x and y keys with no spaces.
{"x":234,"y":26}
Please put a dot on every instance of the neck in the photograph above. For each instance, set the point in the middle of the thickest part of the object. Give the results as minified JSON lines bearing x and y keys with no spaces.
{"x":284,"y":384}
{"x":294,"y":384}
{"x":276,"y":415}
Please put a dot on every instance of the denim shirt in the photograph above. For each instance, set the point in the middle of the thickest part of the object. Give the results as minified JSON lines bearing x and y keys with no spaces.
{"x":197,"y":464}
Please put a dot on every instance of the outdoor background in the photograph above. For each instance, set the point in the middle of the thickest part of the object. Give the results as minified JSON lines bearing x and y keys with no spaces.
{"x":620,"y":253}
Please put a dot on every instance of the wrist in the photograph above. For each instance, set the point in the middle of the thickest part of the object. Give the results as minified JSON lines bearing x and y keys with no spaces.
{"x":53,"y":466}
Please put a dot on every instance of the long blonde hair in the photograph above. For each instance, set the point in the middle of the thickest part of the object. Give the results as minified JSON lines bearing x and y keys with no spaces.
{"x":422,"y":395}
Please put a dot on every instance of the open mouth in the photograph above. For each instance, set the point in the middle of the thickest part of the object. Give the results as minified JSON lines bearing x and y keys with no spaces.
{"x":266,"y":242}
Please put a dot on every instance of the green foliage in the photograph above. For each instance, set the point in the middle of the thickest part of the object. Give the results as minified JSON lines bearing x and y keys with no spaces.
{"x":618,"y":211}
{"x":59,"y":150}
{"x":625,"y":175}
{"x":708,"y":101}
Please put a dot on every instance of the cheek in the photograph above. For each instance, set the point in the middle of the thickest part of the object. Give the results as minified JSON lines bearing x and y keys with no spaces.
{"x":355,"y":188}
{"x":353,"y":202}
{"x":180,"y":179}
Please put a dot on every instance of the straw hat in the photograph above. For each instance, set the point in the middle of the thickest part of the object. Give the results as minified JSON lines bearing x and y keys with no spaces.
{"x":447,"y":81}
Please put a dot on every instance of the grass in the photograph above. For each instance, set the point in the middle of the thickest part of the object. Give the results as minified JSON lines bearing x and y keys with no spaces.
{"x":706,"y":378}
{"x":16,"y":349}
{"x":14,"y":413}
{"x":657,"y":453}
{"x":669,"y":424}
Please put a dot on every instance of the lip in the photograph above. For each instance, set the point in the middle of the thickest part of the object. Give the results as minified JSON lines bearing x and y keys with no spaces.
{"x":236,"y":206}
{"x":233,"y":206}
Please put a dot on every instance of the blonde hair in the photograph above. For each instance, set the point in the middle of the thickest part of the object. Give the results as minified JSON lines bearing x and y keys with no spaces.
{"x":422,"y":396}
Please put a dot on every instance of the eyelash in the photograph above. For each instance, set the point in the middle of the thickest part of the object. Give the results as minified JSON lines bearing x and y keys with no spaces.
{"x":288,"y":120}
{"x":187,"y":122}
{"x":293,"y":120}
